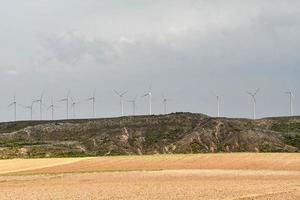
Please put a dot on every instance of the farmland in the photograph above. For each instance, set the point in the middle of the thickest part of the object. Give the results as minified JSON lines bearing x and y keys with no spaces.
{"x":197,"y":176}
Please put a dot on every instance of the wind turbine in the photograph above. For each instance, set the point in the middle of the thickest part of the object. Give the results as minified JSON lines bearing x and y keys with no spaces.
{"x":121,"y":101}
{"x":74,"y":107}
{"x":254,"y":101}
{"x":40,"y":100}
{"x":218,"y":104}
{"x":133,"y":101}
{"x":14,"y":103}
{"x":67,"y":103}
{"x":93,"y":99}
{"x":218,"y":98}
{"x":291,"y":94}
{"x":30,"y":108}
{"x":52,"y":108}
{"x":149,"y":95}
{"x":164,"y":102}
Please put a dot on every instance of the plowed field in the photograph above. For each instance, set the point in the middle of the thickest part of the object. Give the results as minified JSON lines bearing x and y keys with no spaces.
{"x":202,"y":176}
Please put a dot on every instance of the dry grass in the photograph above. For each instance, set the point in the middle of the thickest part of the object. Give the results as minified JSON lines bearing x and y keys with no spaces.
{"x":203,"y":176}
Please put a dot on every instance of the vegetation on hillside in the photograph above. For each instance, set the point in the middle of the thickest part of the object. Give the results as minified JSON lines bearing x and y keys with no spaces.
{"x":173,"y":133}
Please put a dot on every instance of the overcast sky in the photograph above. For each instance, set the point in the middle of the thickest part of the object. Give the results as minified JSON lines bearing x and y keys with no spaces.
{"x":187,"y":50}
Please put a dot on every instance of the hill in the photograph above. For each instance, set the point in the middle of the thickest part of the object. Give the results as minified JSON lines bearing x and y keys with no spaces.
{"x":173,"y":133}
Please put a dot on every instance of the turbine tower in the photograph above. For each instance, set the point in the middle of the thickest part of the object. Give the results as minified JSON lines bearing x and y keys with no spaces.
{"x":66,"y":99}
{"x":218,"y":105}
{"x":121,"y":101}
{"x":254,"y":101}
{"x":40,"y":100}
{"x":73,"y":104}
{"x":149,"y":95}
{"x":14,"y":104}
{"x":133,"y":101}
{"x":291,"y":95}
{"x":93,"y":99}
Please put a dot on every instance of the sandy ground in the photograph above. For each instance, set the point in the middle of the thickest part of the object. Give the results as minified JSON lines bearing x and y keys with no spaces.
{"x":203,"y":176}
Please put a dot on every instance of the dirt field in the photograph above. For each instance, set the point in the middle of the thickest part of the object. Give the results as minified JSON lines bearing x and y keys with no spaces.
{"x":202,"y":176}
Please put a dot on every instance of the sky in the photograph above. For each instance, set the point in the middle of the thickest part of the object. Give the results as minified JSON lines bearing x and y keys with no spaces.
{"x":189,"y":51}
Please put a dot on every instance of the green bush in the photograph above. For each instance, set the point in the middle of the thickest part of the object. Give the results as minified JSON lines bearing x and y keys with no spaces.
{"x":292,"y":139}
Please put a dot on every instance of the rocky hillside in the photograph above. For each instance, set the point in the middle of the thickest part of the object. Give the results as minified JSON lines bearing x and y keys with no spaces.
{"x":174,"y":133}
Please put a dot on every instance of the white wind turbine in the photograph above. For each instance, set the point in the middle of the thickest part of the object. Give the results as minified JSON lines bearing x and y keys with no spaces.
{"x":149,"y":95}
{"x":254,"y":101}
{"x":121,"y":101}
{"x":40,"y":100}
{"x":14,"y":104}
{"x":66,"y":99}
{"x":291,"y":95}
{"x":30,"y":108}
{"x":133,"y":101}
{"x":93,"y":99}
{"x":52,"y":106}
{"x":165,"y":102}
{"x":218,"y":97}
{"x":73,"y":104}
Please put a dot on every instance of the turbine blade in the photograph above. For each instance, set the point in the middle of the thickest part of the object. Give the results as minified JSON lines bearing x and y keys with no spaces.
{"x":11,"y":104}
{"x":257,"y":90}
{"x":124,"y":93}
{"x":117,"y":93}
{"x":62,"y":100}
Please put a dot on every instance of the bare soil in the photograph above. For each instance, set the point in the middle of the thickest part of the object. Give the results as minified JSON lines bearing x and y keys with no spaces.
{"x":203,"y":176}
{"x":250,"y":161}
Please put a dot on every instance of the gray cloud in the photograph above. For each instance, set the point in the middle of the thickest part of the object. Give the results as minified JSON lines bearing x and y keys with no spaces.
{"x":185,"y":49}
{"x":71,"y":49}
